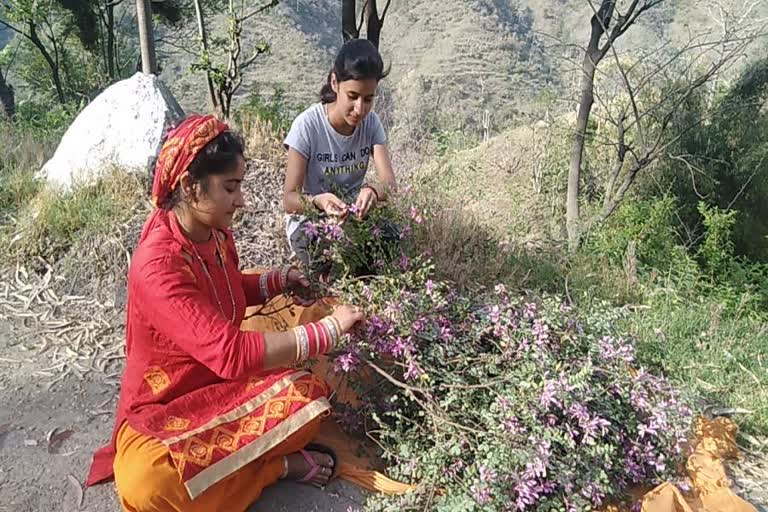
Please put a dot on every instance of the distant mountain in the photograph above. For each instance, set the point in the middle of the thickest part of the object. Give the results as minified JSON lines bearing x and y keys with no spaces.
{"x":455,"y":63}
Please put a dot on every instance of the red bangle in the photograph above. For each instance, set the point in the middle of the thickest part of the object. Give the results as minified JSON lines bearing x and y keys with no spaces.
{"x":314,"y":338}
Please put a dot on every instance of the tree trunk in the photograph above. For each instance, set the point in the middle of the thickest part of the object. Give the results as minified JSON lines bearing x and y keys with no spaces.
{"x":349,"y":20}
{"x":7,"y":98}
{"x":205,"y":55}
{"x":146,"y":37}
{"x":52,"y":64}
{"x":577,"y":152}
{"x":592,"y":57}
{"x":373,"y":28}
{"x":111,"y":68}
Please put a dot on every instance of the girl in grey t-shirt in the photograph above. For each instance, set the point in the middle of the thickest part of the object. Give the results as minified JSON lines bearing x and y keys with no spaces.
{"x":330,"y":144}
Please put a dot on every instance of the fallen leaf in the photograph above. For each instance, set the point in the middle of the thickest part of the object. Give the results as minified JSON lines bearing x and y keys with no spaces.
{"x":56,"y":438}
{"x":5,"y":428}
{"x":78,"y":490}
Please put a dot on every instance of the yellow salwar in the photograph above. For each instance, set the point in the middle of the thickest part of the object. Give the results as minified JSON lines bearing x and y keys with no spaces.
{"x":148,"y":481}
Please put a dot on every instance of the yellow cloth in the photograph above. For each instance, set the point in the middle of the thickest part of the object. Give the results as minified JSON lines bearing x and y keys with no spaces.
{"x":147,"y":480}
{"x":715,"y":442}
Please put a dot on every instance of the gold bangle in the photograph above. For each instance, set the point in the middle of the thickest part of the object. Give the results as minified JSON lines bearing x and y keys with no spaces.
{"x":298,"y":346}
{"x":339,"y":330}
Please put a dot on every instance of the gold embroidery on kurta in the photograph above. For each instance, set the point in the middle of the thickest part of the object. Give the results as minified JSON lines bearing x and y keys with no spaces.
{"x":157,"y":379}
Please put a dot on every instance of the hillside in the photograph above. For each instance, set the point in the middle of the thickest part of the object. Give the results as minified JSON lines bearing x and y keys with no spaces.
{"x":455,"y":63}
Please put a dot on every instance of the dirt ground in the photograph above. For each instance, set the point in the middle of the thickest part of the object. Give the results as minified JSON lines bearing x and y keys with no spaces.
{"x":34,"y":478}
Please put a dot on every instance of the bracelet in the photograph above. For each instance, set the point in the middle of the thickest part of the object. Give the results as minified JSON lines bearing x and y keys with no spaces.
{"x":333,"y":333}
{"x":339,"y":331}
{"x":284,"y":276}
{"x":375,"y":192}
{"x":274,"y":282}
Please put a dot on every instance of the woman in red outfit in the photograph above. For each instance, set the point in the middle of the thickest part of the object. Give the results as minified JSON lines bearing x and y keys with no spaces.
{"x":209,"y":415}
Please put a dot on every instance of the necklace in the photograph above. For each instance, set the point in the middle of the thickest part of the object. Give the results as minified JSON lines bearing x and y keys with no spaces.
{"x":210,"y":279}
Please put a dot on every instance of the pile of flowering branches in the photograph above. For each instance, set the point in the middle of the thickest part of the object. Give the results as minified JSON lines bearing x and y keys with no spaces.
{"x":493,"y":402}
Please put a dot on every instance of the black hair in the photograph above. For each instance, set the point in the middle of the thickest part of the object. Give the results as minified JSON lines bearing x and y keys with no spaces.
{"x":357,"y":59}
{"x":219,"y":156}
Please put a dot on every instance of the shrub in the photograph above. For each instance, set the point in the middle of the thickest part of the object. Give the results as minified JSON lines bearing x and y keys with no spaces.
{"x":493,"y":402}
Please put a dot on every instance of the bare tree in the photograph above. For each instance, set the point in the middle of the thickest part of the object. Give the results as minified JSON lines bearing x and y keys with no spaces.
{"x":639,"y":123}
{"x":374,"y":21}
{"x":227,"y":77}
{"x":369,"y":16}
{"x":349,"y":26}
{"x":205,"y":55}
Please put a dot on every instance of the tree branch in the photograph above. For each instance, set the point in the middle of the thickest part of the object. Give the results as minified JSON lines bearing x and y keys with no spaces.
{"x":384,"y":12}
{"x":272,"y":3}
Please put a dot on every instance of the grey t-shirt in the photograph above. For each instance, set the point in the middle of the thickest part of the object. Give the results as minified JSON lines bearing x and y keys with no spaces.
{"x":335,"y":162}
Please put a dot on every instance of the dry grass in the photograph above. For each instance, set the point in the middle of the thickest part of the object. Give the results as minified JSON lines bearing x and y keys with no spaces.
{"x":262,"y":141}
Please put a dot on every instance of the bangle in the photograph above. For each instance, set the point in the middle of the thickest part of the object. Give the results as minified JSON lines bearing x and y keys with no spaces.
{"x":339,"y":331}
{"x":333,"y":332}
{"x":284,"y":277}
{"x":375,"y":192}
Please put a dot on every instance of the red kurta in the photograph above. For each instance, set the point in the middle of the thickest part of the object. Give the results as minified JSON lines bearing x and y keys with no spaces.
{"x":193,"y":379}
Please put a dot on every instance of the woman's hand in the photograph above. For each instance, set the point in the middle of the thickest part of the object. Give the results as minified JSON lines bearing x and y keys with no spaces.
{"x":366,"y":199}
{"x":348,"y":316}
{"x":297,"y":281}
{"x":331,"y":205}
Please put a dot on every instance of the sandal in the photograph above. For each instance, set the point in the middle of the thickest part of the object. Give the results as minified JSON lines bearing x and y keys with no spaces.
{"x":314,"y":467}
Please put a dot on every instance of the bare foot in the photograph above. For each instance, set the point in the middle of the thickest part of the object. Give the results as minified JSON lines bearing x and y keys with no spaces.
{"x":299,"y":468}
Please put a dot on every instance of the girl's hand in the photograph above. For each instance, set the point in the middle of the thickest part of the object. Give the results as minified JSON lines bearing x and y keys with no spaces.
{"x":331,"y":205}
{"x":366,"y":199}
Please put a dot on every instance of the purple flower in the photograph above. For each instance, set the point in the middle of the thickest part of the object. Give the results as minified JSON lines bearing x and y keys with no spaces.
{"x":346,"y":362}
{"x":646,"y":430}
{"x":579,"y":412}
{"x":404,"y":263}
{"x":487,"y":474}
{"x":547,"y":398}
{"x":429,"y":287}
{"x":594,"y":494}
{"x":310,"y":230}
{"x":333,"y":231}
{"x":376,"y":232}
{"x":405,"y":232}
{"x":413,"y":371}
{"x":452,"y":471}
{"x":615,"y":349}
{"x":402,"y":347}
{"x":495,"y":314}
{"x":541,"y":331}
{"x":529,"y":313}
{"x":527,"y":493}
{"x":480,"y":493}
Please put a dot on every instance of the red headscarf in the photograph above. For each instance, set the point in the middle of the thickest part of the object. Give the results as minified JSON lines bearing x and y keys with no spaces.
{"x":182,"y":146}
